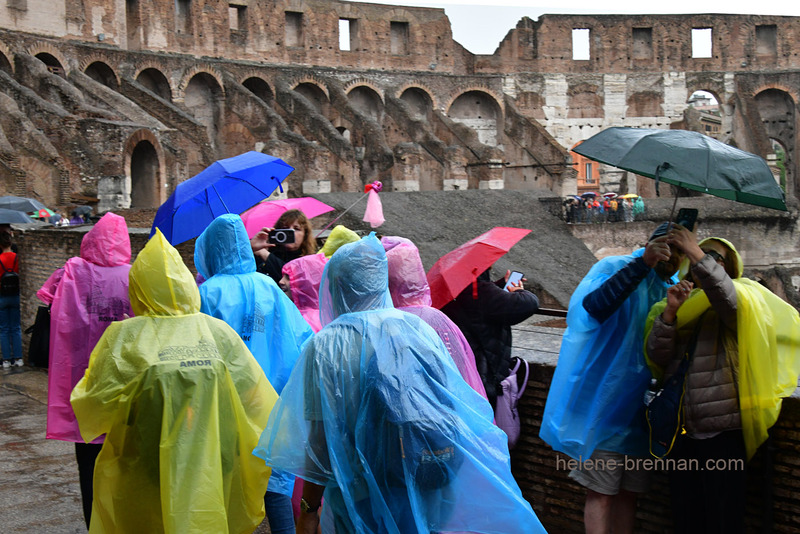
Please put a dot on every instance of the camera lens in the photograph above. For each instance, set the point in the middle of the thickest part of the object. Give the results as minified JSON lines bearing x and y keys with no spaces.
{"x":280,"y":236}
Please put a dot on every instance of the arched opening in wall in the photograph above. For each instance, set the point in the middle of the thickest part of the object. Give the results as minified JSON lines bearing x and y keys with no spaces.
{"x":776,"y":109}
{"x":202,"y":99}
{"x":479,"y":111}
{"x":344,"y":132}
{"x":315,"y":96}
{"x":367,"y":101}
{"x":144,"y":176}
{"x":5,"y":64}
{"x":154,"y":81}
{"x":102,"y":73}
{"x":419,"y":101}
{"x":260,"y":88}
{"x":53,"y":65}
{"x":780,"y":162}
{"x":703,"y":114}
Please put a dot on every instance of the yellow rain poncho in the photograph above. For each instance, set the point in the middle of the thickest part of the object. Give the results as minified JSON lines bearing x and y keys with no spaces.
{"x":182,"y":402}
{"x":768,"y":344}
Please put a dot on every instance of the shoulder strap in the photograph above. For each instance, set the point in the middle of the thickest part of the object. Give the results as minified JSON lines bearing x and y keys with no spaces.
{"x":527,"y":372}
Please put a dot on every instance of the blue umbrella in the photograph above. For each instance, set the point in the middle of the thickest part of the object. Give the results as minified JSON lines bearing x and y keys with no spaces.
{"x":25,"y":204}
{"x":229,"y":185}
{"x":15,"y":217}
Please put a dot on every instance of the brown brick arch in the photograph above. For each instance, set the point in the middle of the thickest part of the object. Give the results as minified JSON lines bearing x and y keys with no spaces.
{"x":422,"y":87}
{"x":361,"y":82}
{"x":97,"y":58}
{"x":480,"y":89}
{"x":47,"y":48}
{"x":788,"y":89}
{"x":256,"y":74}
{"x":194,"y":71}
{"x":312,"y":81}
{"x":135,"y":138}
{"x":6,"y":52}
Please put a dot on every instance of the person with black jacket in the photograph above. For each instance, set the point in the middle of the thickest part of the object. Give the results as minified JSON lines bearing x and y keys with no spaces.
{"x":485,"y":312}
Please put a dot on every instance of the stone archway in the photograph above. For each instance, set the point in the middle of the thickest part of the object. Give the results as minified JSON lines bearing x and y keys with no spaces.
{"x":102,"y":73}
{"x":777,"y":111}
{"x":479,"y":111}
{"x":260,"y":88}
{"x":418,"y":101}
{"x":144,"y":173}
{"x":367,"y":101}
{"x":202,"y":97}
{"x":154,"y":80}
{"x":53,"y":64}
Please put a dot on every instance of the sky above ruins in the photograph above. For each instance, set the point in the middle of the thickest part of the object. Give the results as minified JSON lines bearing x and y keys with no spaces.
{"x":479,"y":25}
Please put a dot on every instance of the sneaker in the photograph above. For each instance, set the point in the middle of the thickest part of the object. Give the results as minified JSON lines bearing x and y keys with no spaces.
{"x":18,"y":362}
{"x":6,"y":364}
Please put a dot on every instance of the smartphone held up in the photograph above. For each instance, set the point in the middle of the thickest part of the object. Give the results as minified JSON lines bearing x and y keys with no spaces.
{"x":281,"y":236}
{"x":513,"y":279}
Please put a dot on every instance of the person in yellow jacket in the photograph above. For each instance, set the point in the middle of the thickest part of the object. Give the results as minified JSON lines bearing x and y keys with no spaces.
{"x":742,"y":342}
{"x":182,"y":403}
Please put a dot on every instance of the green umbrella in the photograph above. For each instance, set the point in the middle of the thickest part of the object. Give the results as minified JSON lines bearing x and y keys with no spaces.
{"x":687,"y":159}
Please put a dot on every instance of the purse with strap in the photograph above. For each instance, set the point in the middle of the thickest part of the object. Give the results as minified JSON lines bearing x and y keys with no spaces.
{"x":506,"y":413}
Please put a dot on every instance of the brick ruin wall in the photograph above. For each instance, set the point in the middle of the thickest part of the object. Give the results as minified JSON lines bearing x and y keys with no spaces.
{"x":141,"y":95}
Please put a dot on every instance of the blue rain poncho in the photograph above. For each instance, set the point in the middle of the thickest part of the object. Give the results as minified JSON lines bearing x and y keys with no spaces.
{"x":375,"y":381}
{"x":182,"y":402}
{"x":595,"y":398}
{"x":252,"y":304}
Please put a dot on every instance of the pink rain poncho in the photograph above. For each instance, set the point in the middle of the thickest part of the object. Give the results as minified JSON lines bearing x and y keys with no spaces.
{"x":305,"y":274}
{"x":182,"y":402}
{"x":86,"y":295}
{"x":377,"y":413}
{"x":410,"y":292}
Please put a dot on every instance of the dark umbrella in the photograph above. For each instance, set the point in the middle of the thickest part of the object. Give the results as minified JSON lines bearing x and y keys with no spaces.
{"x":28,"y":205}
{"x":229,"y":185}
{"x":15,"y":217}
{"x":80,"y":211}
{"x":687,"y":159}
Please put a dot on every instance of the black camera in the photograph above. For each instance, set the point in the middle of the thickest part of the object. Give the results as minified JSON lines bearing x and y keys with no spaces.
{"x":281,"y":236}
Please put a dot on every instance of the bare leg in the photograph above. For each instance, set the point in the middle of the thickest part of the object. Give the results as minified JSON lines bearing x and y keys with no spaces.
{"x":597,"y":513}
{"x":623,"y":512}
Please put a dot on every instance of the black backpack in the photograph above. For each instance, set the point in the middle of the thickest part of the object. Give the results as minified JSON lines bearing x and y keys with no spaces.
{"x":9,"y":281}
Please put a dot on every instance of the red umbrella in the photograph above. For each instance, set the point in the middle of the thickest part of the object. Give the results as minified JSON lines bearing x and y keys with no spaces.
{"x":457,"y":269}
{"x":266,"y":214}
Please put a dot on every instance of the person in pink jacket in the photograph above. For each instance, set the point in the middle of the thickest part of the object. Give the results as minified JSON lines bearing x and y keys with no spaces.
{"x":85,"y":296}
{"x":302,"y":276}
{"x":410,"y":292}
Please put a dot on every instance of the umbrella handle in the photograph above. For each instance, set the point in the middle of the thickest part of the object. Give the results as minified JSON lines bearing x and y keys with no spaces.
{"x":664,"y":166}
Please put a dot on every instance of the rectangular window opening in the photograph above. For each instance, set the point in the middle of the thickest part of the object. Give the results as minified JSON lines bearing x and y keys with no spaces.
{"x":348,"y":34}
{"x":701,"y":42}
{"x":399,"y":38}
{"x":580,"y":44}
{"x":589,"y":178}
{"x":183,"y":16}
{"x":767,"y":40}
{"x":642,"y":43}
{"x":236,"y":17}
{"x":294,"y":28}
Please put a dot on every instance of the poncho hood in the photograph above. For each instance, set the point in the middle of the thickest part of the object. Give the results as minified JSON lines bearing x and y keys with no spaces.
{"x":224,"y":248}
{"x":305,"y":276}
{"x":107,"y":244}
{"x":408,"y":283}
{"x":355,"y":279}
{"x":160,"y":283}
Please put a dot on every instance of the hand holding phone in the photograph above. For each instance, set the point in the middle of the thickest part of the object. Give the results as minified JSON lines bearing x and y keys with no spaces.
{"x":513,"y":279}
{"x":687,"y":217}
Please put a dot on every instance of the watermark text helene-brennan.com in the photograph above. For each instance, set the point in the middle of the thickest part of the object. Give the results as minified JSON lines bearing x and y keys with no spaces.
{"x":650,"y":464}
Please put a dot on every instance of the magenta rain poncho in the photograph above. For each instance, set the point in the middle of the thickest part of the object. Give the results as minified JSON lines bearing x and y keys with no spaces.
{"x":376,"y":380}
{"x":305,"y":275}
{"x":182,"y":402}
{"x":86,"y":295}
{"x":410,"y":292}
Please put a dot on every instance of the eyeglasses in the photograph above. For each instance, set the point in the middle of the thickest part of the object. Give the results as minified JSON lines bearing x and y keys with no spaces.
{"x":719,"y":258}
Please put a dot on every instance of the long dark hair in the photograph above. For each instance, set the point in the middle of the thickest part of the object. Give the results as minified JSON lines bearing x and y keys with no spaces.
{"x":309,"y":244}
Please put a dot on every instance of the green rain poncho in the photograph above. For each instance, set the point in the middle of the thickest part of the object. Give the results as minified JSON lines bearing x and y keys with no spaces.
{"x":182,"y":402}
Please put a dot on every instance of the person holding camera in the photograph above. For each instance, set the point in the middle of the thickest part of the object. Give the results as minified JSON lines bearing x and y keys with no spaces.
{"x":291,"y":238}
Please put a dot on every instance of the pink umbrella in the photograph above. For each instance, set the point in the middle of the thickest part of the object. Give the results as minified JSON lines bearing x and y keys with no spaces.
{"x":266,"y":214}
